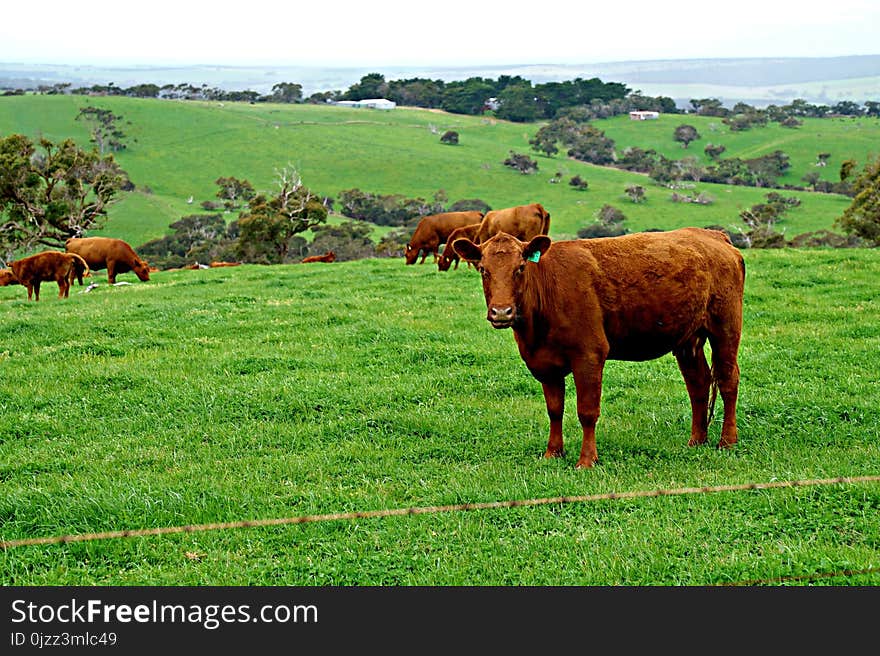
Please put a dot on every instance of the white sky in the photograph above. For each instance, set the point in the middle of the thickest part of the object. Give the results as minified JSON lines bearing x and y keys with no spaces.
{"x":441,"y":32}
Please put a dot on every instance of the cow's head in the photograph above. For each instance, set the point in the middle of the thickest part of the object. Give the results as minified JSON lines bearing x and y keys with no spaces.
{"x":502,"y":261}
{"x":141,"y":269}
{"x":7,"y":278}
{"x":447,"y":257}
{"x":411,"y":254}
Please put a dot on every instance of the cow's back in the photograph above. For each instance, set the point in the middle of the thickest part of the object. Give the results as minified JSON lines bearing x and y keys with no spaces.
{"x":648,"y":291}
{"x":523,"y":222}
{"x":439,"y":226}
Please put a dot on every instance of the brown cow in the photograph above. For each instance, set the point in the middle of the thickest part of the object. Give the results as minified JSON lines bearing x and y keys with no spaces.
{"x":49,"y":265}
{"x":7,"y":278}
{"x":575,"y":304}
{"x":108,"y":253}
{"x":522,"y":222}
{"x":448,"y":256}
{"x":433,"y":231}
{"x":329,"y":256}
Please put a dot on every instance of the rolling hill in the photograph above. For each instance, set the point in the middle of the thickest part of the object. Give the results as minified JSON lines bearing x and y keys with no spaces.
{"x":176,"y":150}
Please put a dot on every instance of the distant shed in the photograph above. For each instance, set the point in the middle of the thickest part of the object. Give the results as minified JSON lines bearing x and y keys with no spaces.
{"x":370,"y":103}
{"x":642,"y":115}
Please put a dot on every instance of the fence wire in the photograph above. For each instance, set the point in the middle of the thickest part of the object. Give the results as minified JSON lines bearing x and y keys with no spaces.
{"x":425,"y":510}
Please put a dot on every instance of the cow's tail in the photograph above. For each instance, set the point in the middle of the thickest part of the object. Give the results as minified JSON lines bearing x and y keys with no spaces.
{"x":80,"y":268}
{"x":713,"y":393}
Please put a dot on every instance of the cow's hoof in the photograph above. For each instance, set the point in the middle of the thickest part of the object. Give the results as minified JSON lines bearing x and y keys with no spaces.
{"x":726,"y":444}
{"x":586,"y":463}
{"x":696,"y":441}
{"x":554,"y":453}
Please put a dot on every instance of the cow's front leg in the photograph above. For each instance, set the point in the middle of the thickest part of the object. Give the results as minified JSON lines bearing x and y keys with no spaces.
{"x":554,"y":396}
{"x":588,"y":383}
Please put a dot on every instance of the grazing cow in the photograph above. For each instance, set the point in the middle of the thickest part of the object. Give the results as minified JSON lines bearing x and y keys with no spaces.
{"x":329,"y":256}
{"x":448,"y":256}
{"x":522,"y":222}
{"x":49,"y":265}
{"x":108,"y":253}
{"x":575,"y":304}
{"x":433,"y":231}
{"x":7,"y":278}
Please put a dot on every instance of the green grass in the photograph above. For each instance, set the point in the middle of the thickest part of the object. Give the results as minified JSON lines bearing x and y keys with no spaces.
{"x":258,"y":392}
{"x":178,"y":149}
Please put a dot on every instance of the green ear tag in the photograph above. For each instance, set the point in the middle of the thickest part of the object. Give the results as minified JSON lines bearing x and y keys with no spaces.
{"x":534,"y":257}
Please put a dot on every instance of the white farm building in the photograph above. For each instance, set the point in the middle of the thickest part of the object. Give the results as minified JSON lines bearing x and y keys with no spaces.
{"x":371,"y":103}
{"x":644,"y":116}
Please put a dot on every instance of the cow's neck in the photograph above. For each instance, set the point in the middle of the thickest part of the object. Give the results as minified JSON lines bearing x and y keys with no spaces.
{"x":536,"y":294}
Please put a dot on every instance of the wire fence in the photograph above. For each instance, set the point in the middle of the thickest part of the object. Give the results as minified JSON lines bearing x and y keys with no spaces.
{"x":463,"y":507}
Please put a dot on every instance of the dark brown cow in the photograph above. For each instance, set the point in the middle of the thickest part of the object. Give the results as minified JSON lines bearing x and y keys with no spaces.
{"x":575,"y":304}
{"x":433,"y":231}
{"x":522,"y":222}
{"x":108,"y":253}
{"x":49,"y":265}
{"x":7,"y":278}
{"x":448,"y":256}
{"x":329,"y":256}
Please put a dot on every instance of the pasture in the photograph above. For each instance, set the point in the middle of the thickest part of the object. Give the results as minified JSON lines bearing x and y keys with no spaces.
{"x":176,"y":150}
{"x":258,"y":392}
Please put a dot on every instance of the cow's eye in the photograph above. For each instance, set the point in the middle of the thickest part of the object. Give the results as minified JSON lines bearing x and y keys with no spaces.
{"x":522,"y":267}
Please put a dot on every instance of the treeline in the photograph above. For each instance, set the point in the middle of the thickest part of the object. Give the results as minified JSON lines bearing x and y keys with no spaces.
{"x":508,"y":97}
{"x":512,"y":98}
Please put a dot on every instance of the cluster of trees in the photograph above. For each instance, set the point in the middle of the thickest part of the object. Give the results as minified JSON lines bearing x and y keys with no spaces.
{"x":267,"y":231}
{"x":52,"y":191}
{"x":798,"y":108}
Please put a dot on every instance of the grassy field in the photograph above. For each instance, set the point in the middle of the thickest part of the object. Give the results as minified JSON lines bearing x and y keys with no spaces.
{"x":258,"y":392}
{"x":176,"y":150}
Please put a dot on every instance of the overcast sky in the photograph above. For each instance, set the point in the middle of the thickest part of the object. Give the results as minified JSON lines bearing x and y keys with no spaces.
{"x":391,"y":32}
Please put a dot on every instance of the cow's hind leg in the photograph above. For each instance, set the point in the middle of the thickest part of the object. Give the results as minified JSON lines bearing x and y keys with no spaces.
{"x":588,"y":382}
{"x":697,"y":377}
{"x":725,"y":370}
{"x":554,"y":396}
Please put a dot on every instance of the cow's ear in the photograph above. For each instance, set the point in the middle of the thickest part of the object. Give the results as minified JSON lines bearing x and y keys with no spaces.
{"x":536,"y":248}
{"x":467,"y":250}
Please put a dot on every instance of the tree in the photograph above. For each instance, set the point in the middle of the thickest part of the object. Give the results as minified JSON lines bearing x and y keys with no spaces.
{"x":579,"y":183}
{"x":685,"y":134}
{"x":450,"y":137}
{"x":608,"y":223}
{"x":234,"y":191}
{"x":371,"y":85}
{"x":269,"y":225}
{"x":287,"y":92}
{"x":522,"y":163}
{"x":862,"y":217}
{"x":104,"y":130}
{"x":636,"y":193}
{"x":50,"y":192}
{"x":517,"y":102}
{"x":714,"y":151}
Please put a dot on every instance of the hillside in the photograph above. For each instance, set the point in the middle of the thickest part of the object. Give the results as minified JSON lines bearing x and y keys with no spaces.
{"x":176,"y":150}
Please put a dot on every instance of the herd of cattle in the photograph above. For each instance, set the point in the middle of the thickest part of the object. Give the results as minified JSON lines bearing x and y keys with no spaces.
{"x":81,"y":255}
{"x":572,"y":305}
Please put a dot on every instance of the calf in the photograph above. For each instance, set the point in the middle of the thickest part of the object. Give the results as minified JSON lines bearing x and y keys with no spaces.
{"x":573,"y":305}
{"x":48,"y":265}
{"x":448,"y":256}
{"x":329,"y":256}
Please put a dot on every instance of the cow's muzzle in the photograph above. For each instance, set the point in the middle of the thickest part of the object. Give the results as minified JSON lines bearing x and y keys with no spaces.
{"x":501,"y":317}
